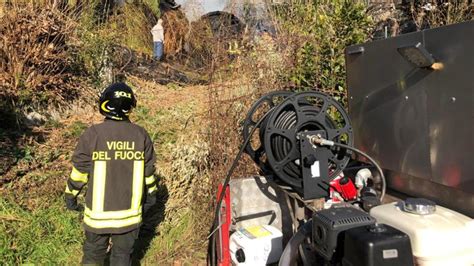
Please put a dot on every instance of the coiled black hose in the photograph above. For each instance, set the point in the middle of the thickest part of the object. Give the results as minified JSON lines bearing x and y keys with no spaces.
{"x":281,"y":146}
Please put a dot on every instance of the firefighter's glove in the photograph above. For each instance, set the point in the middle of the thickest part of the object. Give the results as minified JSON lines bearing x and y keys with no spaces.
{"x":71,"y":204}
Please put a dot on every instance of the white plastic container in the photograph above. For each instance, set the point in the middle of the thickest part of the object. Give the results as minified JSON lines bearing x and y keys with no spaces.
{"x":443,"y":238}
{"x":256,"y":245}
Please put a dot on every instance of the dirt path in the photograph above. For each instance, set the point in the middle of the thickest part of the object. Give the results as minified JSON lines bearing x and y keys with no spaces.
{"x":170,"y":114}
{"x":166,"y":96}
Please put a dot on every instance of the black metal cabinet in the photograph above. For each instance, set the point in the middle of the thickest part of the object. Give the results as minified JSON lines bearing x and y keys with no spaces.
{"x":418,"y":122}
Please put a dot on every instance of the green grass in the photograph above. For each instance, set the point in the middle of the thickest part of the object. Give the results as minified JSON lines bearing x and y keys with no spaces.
{"x":152,"y":121}
{"x":49,"y":235}
{"x":75,"y":130}
{"x":36,"y":228}
{"x":52,"y":124}
{"x":163,"y":125}
{"x":173,"y":239}
{"x":178,"y":237}
{"x":154,"y":5}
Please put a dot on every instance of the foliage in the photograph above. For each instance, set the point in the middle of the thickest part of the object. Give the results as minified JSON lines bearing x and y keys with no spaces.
{"x":75,"y":130}
{"x":153,"y":6}
{"x":176,"y":38}
{"x":180,"y":239}
{"x":190,"y":162}
{"x":36,"y":179}
{"x":96,"y":42}
{"x":107,"y":44}
{"x":321,"y":30}
{"x":307,"y":52}
{"x":132,"y":26}
{"x":186,"y":214}
{"x":49,"y":53}
{"x":202,"y":45}
{"x":169,"y":116}
{"x":46,"y":235}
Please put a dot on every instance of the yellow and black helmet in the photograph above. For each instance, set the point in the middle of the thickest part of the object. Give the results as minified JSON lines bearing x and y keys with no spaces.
{"x":116,"y":101}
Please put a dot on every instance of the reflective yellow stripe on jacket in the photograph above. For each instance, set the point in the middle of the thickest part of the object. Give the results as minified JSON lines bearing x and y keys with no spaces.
{"x":150,"y":182}
{"x":75,"y":182}
{"x":152,"y":189}
{"x":78,"y":176}
{"x":112,"y":223}
{"x":96,"y":217}
{"x":138,"y":172}
{"x":149,"y":179}
{"x":73,"y":192}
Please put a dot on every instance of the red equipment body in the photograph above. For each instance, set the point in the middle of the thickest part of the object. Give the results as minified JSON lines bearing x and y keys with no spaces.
{"x":344,"y":187}
{"x":223,"y":254}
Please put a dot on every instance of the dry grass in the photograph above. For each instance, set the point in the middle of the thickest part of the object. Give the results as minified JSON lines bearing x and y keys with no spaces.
{"x":35,"y":64}
{"x":441,"y":13}
{"x":46,"y":160}
{"x":176,"y":27}
{"x":167,"y":97}
{"x":174,"y":117}
{"x":254,"y":72}
{"x":36,"y":182}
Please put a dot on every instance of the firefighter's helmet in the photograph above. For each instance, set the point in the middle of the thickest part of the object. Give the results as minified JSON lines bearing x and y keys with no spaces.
{"x":116,"y":101}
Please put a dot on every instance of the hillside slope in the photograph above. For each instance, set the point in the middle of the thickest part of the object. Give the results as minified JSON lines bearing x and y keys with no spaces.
{"x":35,"y":227}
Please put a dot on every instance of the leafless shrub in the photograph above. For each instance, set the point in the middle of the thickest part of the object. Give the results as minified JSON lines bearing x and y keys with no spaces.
{"x":35,"y":63}
{"x":176,"y":27}
{"x":436,"y":13}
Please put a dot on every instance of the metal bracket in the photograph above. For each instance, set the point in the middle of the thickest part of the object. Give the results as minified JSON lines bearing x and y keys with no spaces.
{"x":315,"y":166}
{"x":417,"y":55}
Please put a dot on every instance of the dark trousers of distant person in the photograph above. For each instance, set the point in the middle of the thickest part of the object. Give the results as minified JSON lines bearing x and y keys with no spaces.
{"x":95,"y":248}
{"x":158,"y":50}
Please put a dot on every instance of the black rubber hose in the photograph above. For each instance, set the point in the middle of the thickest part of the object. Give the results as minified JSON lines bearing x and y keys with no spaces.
{"x":211,"y":252}
{"x":384,"y":183}
{"x":282,"y":146}
{"x":290,"y":253}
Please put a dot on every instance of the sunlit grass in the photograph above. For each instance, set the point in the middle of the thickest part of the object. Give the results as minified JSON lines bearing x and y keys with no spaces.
{"x":50,"y":234}
{"x":174,"y":239}
{"x":44,"y":236}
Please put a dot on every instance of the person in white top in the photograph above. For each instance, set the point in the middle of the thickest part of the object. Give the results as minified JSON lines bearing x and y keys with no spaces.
{"x":158,"y":40}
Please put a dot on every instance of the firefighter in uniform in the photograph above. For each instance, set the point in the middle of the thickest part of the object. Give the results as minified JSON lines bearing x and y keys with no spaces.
{"x":116,"y":158}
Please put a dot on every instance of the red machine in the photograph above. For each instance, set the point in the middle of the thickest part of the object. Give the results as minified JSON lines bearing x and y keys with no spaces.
{"x":342,"y":186}
{"x":223,"y":254}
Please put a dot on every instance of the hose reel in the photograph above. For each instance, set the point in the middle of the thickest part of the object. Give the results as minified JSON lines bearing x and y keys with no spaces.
{"x":282,"y":146}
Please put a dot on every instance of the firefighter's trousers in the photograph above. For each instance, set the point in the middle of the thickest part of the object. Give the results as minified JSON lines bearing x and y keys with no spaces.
{"x":95,"y":248}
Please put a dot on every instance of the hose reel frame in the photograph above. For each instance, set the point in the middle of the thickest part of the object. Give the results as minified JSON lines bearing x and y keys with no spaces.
{"x":271,"y":99}
{"x":283,"y":152}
